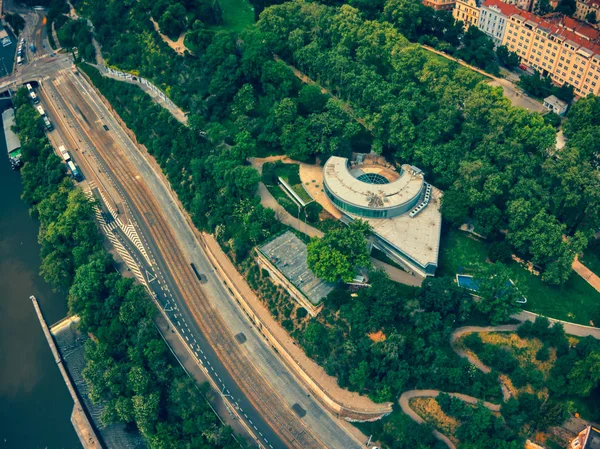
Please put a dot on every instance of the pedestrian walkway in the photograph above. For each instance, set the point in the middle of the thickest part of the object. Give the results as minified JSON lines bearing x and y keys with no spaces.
{"x":515,"y":95}
{"x":587,"y":274}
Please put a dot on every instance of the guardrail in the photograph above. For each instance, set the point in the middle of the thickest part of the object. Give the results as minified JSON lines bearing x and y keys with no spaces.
{"x":141,"y":80}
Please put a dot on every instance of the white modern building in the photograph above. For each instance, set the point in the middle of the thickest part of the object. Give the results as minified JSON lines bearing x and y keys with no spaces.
{"x":401,"y":208}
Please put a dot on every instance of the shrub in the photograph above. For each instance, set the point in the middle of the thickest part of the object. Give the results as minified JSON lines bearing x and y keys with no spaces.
{"x":500,"y":252}
{"x":473,"y":342}
{"x":312,"y":211}
{"x":301,"y":313}
{"x":552,"y":119}
{"x":543,"y":354}
{"x":269,"y":175}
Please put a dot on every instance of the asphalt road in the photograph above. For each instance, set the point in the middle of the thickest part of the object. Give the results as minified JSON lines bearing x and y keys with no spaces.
{"x":162,"y":284}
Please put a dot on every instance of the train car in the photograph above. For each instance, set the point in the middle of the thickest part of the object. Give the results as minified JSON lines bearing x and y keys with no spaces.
{"x":34,"y":98}
{"x":40,"y":109}
{"x":77,"y":175}
{"x":29,"y":88}
{"x":48,"y":124}
{"x":19,"y":60}
{"x":64,"y":153}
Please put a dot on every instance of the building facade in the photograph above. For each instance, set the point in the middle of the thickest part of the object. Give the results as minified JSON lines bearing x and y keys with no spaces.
{"x":566,"y":55}
{"x":492,"y":22}
{"x":467,"y":11}
{"x":588,"y":438}
{"x":585,"y":7}
{"x":440,"y":5}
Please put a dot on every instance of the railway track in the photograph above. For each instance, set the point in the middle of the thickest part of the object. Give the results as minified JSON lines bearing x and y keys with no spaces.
{"x":264,"y":398}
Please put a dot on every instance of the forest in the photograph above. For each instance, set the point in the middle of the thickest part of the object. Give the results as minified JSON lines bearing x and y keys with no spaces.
{"x":129,"y":367}
{"x":494,"y":162}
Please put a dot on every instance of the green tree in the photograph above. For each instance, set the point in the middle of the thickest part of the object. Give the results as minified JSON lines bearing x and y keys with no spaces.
{"x":567,"y":7}
{"x":498,"y":296}
{"x":542,"y":7}
{"x":507,"y":58}
{"x":340,"y":252}
{"x":591,"y":17}
{"x":585,"y":375}
{"x":311,"y":99}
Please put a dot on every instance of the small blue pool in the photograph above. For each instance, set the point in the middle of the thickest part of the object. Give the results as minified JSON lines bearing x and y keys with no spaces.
{"x":467,"y":281}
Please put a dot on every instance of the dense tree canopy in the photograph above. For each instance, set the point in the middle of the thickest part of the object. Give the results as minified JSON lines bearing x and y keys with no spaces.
{"x":339,"y":254}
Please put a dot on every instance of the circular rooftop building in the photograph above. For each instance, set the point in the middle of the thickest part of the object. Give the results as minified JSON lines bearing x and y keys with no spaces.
{"x":372,"y":188}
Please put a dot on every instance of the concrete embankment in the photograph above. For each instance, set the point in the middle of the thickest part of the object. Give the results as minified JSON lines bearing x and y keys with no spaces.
{"x":83,"y":427}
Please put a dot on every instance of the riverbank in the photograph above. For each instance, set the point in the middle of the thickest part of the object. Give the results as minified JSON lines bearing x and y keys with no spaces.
{"x":32,"y":392}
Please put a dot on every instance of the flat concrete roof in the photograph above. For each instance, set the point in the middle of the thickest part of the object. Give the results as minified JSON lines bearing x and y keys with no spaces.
{"x":345,"y":186}
{"x":12,"y":141}
{"x":288,"y":254}
{"x":417,"y":237}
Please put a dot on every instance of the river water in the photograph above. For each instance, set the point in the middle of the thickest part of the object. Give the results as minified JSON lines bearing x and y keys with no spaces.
{"x":35,"y":406}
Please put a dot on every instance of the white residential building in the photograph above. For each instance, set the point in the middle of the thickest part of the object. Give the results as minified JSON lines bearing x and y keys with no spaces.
{"x":492,"y":22}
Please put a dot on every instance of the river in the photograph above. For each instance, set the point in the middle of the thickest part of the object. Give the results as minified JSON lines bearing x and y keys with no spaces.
{"x":35,"y":406}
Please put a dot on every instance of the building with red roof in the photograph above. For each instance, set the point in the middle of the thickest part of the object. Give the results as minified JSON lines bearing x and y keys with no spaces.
{"x":557,"y":46}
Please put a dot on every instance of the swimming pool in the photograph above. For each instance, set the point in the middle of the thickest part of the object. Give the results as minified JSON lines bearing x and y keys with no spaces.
{"x":468,"y":282}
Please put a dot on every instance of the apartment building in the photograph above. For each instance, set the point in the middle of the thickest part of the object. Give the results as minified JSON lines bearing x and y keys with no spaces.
{"x":584,"y":7}
{"x":561,"y":48}
{"x":440,"y":5}
{"x":467,"y":11}
{"x":492,"y":20}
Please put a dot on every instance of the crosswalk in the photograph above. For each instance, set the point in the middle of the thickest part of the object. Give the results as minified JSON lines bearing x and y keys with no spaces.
{"x":108,"y":228}
{"x":132,"y":234}
{"x":128,"y":229}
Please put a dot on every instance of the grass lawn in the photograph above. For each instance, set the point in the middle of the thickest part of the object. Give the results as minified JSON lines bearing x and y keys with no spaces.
{"x":574,"y":301}
{"x":237,"y":14}
{"x":304,"y":196}
{"x":591,"y":257}
{"x":459,"y":250}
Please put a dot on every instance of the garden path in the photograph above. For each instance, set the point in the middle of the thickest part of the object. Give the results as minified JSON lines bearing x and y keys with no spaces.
{"x":404,"y":400}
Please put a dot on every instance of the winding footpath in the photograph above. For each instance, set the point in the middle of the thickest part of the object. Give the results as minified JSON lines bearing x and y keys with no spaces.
{"x":404,"y":400}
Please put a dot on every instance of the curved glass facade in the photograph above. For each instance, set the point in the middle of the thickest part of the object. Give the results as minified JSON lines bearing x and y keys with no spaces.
{"x":370,"y":212}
